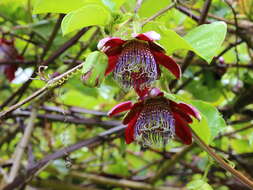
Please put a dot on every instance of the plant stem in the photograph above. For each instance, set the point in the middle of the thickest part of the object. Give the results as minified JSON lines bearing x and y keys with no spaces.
{"x":159,"y":13}
{"x":239,"y":176}
{"x":22,"y":145}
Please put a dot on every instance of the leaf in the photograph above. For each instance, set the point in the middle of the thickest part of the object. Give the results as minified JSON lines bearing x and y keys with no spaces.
{"x":59,"y":6}
{"x":204,"y":40}
{"x":89,"y":15}
{"x":94,"y":68}
{"x":198,"y":184}
{"x":211,"y":122}
{"x":214,"y":119}
{"x":207,"y":39}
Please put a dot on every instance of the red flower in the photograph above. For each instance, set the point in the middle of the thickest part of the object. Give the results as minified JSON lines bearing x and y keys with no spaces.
{"x":156,"y":119}
{"x":8,"y":53}
{"x":135,"y":62}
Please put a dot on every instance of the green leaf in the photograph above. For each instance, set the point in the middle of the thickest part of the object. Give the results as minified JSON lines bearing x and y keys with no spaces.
{"x":94,"y":68}
{"x":214,"y":119}
{"x":198,"y":184}
{"x":89,"y":15}
{"x":206,"y":39}
{"x":59,"y":6}
{"x":211,"y":122}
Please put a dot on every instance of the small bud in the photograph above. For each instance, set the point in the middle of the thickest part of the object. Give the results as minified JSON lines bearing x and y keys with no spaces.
{"x":94,"y":69}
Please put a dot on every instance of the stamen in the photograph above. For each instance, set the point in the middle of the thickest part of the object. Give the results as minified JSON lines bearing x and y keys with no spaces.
{"x":155,"y":124}
{"x":136,"y":66}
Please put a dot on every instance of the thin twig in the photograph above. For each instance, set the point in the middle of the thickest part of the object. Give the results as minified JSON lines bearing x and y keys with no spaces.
{"x":100,"y":138}
{"x":159,"y":13}
{"x":21,"y":146}
{"x":121,"y":182}
{"x":169,"y":163}
{"x":138,"y":5}
{"x":239,"y":176}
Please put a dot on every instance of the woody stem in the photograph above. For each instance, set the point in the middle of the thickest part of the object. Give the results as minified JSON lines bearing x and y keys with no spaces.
{"x":239,"y":176}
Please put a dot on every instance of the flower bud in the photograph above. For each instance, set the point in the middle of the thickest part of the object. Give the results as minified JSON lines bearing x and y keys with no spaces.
{"x":94,"y":69}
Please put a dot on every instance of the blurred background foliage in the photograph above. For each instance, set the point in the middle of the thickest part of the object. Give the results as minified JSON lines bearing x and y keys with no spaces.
{"x":75,"y":112}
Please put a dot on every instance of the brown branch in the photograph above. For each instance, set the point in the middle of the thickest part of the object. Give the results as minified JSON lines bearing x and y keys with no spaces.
{"x":120,"y":182}
{"x":169,"y":163}
{"x":67,"y":119}
{"x":159,"y":13}
{"x":92,"y":142}
{"x":58,"y":185}
{"x":239,"y":176}
{"x":52,"y":36}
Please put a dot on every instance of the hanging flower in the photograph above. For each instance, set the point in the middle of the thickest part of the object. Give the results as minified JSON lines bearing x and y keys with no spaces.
{"x":8,"y":53}
{"x":156,"y":119}
{"x":135,"y":62}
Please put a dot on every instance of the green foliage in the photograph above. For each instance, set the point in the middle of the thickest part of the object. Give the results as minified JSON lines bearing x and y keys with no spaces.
{"x":207,"y":39}
{"x":32,"y":23}
{"x":59,"y":6}
{"x":199,"y":184}
{"x":97,"y":14}
{"x":204,"y":40}
{"x":211,"y":123}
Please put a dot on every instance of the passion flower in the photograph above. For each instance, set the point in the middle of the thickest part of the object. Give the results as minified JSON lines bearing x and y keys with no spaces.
{"x":155,"y":119}
{"x":135,"y":62}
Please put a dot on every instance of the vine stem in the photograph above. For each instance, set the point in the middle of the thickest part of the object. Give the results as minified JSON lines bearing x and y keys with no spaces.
{"x":159,"y":13}
{"x":57,"y":81}
{"x":239,"y":176}
{"x":22,"y":146}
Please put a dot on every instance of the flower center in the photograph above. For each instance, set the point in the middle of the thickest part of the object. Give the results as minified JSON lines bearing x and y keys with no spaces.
{"x":155,"y":124}
{"x":136,"y":66}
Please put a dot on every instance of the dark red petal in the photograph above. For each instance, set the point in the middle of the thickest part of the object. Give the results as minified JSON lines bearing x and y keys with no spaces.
{"x":148,"y":36}
{"x":135,"y":110}
{"x":189,"y":110}
{"x":184,"y":115}
{"x":167,"y":62}
{"x":9,"y":72}
{"x":111,"y":42}
{"x":111,"y":45}
{"x":129,"y":132}
{"x":124,"y":106}
{"x":112,"y":61}
{"x":183,"y":130}
{"x":143,"y":37}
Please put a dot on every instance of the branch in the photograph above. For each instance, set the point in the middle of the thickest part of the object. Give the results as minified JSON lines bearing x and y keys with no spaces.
{"x":94,"y":141}
{"x":18,"y":154}
{"x":159,"y":13}
{"x":50,"y":85}
{"x":58,"y":185}
{"x":79,"y":120}
{"x":120,"y":182}
{"x":169,"y":163}
{"x":239,"y":176}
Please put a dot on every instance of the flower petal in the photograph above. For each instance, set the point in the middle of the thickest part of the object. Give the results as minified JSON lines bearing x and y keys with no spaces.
{"x":124,"y":106}
{"x":110,"y":42}
{"x":189,"y":110}
{"x":129,"y":132}
{"x":167,"y":62}
{"x":147,"y":36}
{"x":112,"y":61}
{"x":183,"y":130}
{"x":183,"y":115}
{"x":9,"y":72}
{"x":135,"y":110}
